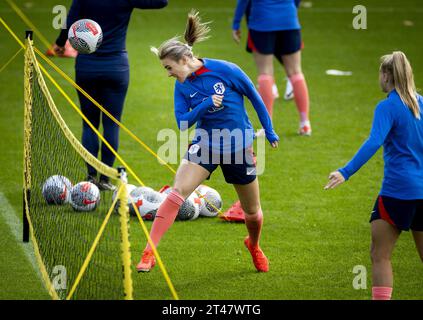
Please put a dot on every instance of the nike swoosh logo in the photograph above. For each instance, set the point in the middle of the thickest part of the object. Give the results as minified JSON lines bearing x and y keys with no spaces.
{"x":87,"y":202}
{"x":193,"y":95}
{"x":250,"y":172}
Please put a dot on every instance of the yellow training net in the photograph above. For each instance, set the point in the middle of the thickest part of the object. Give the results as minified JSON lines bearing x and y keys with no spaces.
{"x":82,"y":254}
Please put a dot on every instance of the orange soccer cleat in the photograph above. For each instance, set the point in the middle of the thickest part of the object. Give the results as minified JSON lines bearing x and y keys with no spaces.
{"x":259,"y":259}
{"x":147,"y":261}
{"x":234,"y":213}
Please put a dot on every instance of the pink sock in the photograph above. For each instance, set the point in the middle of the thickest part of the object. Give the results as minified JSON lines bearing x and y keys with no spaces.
{"x":300,"y":95}
{"x":265,"y":88}
{"x":381,"y":293}
{"x":165,"y":217}
{"x":254,"y":222}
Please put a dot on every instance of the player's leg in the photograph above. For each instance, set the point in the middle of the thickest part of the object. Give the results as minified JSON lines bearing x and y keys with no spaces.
{"x":384,"y":237}
{"x":89,"y":138}
{"x":188,"y":177}
{"x":242,"y":174}
{"x":114,"y":88}
{"x":263,"y":48}
{"x":418,"y":239}
{"x":265,"y":80}
{"x":289,"y":45}
{"x":249,"y":197}
{"x":417,"y":227}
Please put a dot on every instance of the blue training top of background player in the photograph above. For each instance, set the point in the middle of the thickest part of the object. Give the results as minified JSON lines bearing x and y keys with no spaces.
{"x":401,"y":134}
{"x":113,"y":17}
{"x":268,"y":15}
{"x":193,"y":104}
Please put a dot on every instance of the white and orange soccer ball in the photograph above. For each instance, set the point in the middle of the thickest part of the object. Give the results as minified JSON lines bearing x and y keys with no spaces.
{"x":85,"y":196}
{"x":85,"y":36}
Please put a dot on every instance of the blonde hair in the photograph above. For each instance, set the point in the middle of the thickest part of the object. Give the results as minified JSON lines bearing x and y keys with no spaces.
{"x":397,"y":66}
{"x":195,"y":31}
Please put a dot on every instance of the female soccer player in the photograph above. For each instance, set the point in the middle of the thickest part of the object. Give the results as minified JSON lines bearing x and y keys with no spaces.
{"x":398,"y":126}
{"x":210,"y":93}
{"x":274,"y":29}
{"x":104,"y":74}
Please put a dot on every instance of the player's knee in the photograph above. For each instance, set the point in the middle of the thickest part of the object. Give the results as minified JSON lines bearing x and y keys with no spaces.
{"x":379,"y":255}
{"x":251,"y":209}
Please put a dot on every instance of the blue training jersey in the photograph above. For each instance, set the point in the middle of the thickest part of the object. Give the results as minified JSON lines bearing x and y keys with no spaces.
{"x":401,"y":134}
{"x":113,"y":17}
{"x":268,"y":15}
{"x":193,"y":104}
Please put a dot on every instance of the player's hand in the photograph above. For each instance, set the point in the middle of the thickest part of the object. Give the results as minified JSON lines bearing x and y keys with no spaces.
{"x":236,"y":35}
{"x":275,"y":144}
{"x":335,"y":179}
{"x":217,"y":100}
{"x":59,"y":51}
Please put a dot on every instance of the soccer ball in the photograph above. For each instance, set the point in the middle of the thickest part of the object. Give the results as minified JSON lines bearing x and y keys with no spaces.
{"x":85,"y":36}
{"x":85,"y":196}
{"x":147,"y":201}
{"x":190,"y":209}
{"x":214,"y":201}
{"x":57,"y":190}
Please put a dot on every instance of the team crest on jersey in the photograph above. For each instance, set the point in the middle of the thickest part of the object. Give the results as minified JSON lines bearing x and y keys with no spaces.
{"x":219,"y":88}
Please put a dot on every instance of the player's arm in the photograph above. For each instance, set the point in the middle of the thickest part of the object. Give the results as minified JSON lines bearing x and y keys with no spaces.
{"x":241,"y":7}
{"x":382,"y":124}
{"x":185,"y":117}
{"x":71,"y":18}
{"x":245,"y":86}
{"x":149,"y":4}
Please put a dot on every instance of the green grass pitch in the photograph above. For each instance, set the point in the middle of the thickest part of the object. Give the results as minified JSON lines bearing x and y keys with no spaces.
{"x":313,"y":238}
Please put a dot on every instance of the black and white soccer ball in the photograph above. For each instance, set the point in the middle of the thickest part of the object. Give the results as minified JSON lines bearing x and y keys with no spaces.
{"x":57,"y":190}
{"x":85,"y":196}
{"x":211,"y":203}
{"x":85,"y":36}
{"x":190,"y":209}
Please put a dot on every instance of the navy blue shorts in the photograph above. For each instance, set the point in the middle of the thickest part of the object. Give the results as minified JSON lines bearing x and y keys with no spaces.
{"x":278,"y":43}
{"x":403,"y":214}
{"x":237,"y":168}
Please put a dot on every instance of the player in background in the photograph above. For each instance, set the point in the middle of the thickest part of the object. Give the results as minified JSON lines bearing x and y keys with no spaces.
{"x":397,"y":125}
{"x":274,"y":30}
{"x":104,"y":74}
{"x":210,"y":93}
{"x":289,"y":91}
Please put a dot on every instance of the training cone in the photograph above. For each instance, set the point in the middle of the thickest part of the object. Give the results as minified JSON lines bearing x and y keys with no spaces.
{"x":234,"y":213}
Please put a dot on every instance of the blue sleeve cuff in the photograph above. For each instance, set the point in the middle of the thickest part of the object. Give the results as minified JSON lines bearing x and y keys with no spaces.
{"x":344,"y":173}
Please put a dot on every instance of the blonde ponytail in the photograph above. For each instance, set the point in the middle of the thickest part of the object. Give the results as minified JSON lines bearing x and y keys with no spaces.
{"x":195,"y":31}
{"x":398,"y":66}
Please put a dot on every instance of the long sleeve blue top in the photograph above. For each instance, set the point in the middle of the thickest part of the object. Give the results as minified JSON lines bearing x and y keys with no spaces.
{"x":268,"y":15}
{"x":193,"y":104}
{"x":401,"y":134}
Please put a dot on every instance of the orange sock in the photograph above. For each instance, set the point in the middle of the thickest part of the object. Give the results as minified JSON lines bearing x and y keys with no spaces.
{"x":165,"y":217}
{"x":254,"y":222}
{"x":381,"y":293}
{"x":265,"y":89}
{"x":300,"y":95}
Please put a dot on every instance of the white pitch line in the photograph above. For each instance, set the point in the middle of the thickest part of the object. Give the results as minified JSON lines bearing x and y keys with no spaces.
{"x":8,"y":213}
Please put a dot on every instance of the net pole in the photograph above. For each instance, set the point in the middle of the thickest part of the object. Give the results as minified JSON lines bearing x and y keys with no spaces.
{"x":124,"y":229}
{"x":27,"y":149}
